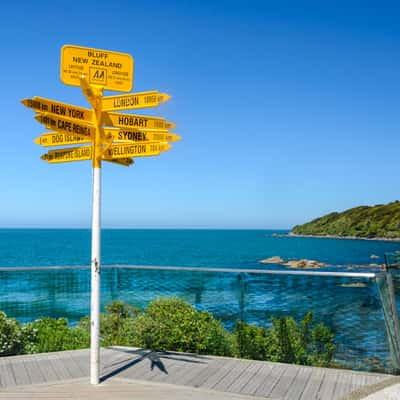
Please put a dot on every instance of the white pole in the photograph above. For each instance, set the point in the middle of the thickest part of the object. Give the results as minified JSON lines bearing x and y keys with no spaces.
{"x":95,"y":281}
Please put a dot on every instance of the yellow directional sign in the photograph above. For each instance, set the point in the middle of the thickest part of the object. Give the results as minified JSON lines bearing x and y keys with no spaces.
{"x":43,"y":105}
{"x":61,"y":139}
{"x":66,"y":125}
{"x":133,"y":100}
{"x":135,"y":150}
{"x":137,"y":135}
{"x":108,"y":69}
{"x":69,"y":154}
{"x":122,"y":161}
{"x":142,"y":122}
{"x":173,"y":137}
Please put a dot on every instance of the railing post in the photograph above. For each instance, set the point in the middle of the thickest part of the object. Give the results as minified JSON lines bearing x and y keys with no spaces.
{"x":242,"y":293}
{"x":388,"y":299}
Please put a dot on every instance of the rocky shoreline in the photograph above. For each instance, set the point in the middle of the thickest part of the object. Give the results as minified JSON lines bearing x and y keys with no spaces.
{"x":290,"y":234}
{"x":313,"y":264}
{"x":301,"y":264}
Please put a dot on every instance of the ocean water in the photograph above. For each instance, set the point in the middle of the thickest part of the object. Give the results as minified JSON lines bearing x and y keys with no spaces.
{"x":202,"y":248}
{"x":352,"y":311}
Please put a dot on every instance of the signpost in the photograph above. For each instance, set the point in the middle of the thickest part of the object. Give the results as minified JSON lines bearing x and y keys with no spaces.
{"x":61,"y":139}
{"x":66,"y":125}
{"x":135,"y":136}
{"x":133,"y":100}
{"x":135,"y":121}
{"x":136,"y":150}
{"x":69,"y":154}
{"x":108,"y":69}
{"x":42,"y":105}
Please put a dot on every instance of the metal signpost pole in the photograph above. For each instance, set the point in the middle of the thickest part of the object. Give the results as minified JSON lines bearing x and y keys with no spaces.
{"x":95,"y":280}
{"x":94,"y":96}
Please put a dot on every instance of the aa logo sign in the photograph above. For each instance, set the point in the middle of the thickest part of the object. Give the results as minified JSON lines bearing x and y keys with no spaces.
{"x":98,"y":76}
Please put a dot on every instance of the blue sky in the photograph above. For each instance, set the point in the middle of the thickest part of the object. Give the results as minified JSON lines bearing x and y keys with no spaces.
{"x":288,"y":110}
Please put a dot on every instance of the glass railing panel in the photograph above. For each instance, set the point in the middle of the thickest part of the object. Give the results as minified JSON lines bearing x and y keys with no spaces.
{"x":350,"y":306}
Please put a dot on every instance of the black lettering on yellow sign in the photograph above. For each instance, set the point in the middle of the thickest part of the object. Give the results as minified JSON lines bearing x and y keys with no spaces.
{"x":132,"y":121}
{"x":37,"y":105}
{"x":107,"y":64}
{"x":151,"y":98}
{"x":126,"y":101}
{"x":98,"y":76}
{"x":132,"y":135}
{"x":128,"y":150}
{"x":80,"y":60}
{"x":72,"y":112}
{"x":97,"y":54}
{"x":83,"y":152}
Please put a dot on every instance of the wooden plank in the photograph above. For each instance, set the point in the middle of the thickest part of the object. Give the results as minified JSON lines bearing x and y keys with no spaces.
{"x":285,"y":381}
{"x":118,"y":359}
{"x":47,"y":370}
{"x":59,"y":367}
{"x":313,"y":385}
{"x":83,"y":361}
{"x":213,"y":367}
{"x":372,"y":379}
{"x":257,"y":379}
{"x":247,"y":375}
{"x":343,"y":385}
{"x":7,"y":378}
{"x":191,"y":373}
{"x":298,"y":385}
{"x":328,"y":385}
{"x":218,"y":375}
{"x":161,"y":368}
{"x":138,"y":370}
{"x":273,"y":378}
{"x":178,"y":372}
{"x":71,"y":367}
{"x":33,"y":370}
{"x":77,"y":365}
{"x":20,"y":372}
{"x":234,"y":374}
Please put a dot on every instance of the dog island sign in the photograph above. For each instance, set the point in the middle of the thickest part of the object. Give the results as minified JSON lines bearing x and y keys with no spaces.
{"x":108,"y":69}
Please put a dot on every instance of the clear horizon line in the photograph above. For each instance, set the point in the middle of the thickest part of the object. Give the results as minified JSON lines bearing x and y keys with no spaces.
{"x":147,"y":228}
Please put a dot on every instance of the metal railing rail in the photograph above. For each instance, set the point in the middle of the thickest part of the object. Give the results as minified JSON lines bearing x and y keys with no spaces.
{"x":372,"y":275}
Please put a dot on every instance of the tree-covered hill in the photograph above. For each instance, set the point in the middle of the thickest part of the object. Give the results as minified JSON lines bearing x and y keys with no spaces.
{"x":380,"y":221}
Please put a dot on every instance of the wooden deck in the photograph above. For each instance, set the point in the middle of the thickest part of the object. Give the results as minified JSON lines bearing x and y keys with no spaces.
{"x":228,"y":375}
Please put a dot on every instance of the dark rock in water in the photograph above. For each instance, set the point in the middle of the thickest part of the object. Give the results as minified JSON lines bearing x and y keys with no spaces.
{"x":371,"y":302}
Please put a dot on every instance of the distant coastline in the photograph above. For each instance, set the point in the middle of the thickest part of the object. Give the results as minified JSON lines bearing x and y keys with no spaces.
{"x":298,"y":235}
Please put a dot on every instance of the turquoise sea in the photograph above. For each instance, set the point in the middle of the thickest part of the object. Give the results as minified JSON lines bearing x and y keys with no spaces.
{"x":205,"y":248}
{"x":353,"y":311}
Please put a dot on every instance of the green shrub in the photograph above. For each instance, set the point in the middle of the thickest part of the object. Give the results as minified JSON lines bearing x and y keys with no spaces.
{"x":113,"y":323}
{"x":48,"y":334}
{"x":172,"y":324}
{"x":10,"y":336}
{"x":252,"y":341}
{"x":287,"y":341}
